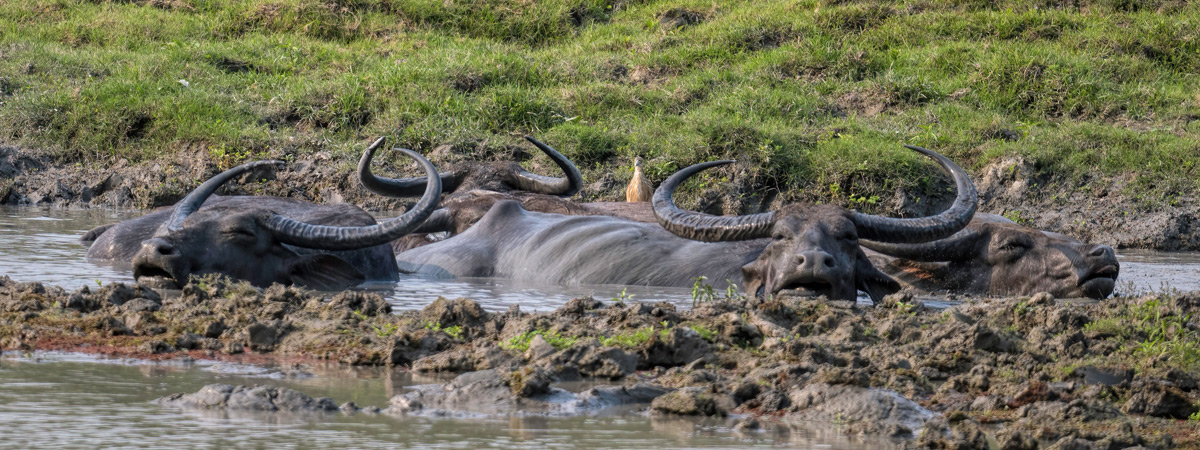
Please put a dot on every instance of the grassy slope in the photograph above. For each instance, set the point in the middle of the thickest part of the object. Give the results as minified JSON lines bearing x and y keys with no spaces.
{"x":818,"y":94}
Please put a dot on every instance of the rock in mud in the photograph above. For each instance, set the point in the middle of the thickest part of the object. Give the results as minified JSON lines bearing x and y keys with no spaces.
{"x":679,"y":346}
{"x":485,"y":391}
{"x":365,"y":303}
{"x":1159,"y":400}
{"x":690,"y":401}
{"x":263,"y":336}
{"x":139,"y":305}
{"x":589,"y":359}
{"x":459,"y":312}
{"x":250,"y":398}
{"x":865,"y":409}
{"x":525,"y":391}
{"x":605,"y":396}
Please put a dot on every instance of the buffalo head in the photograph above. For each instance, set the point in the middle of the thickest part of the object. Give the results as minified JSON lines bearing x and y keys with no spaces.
{"x":268,"y":240}
{"x":466,"y":206}
{"x":814,"y":249}
{"x":995,"y":256}
{"x":510,"y":174}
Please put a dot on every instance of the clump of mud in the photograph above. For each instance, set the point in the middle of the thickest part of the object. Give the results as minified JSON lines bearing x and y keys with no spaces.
{"x":1015,"y":373}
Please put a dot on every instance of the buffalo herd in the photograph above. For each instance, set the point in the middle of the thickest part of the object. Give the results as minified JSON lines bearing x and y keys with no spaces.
{"x":499,"y":220}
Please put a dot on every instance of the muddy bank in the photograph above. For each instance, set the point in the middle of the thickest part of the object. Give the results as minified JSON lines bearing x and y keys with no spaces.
{"x":1102,"y":211}
{"x":1023,"y":373}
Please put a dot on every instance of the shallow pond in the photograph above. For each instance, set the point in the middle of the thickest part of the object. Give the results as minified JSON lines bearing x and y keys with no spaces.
{"x":67,"y":400}
{"x":42,"y":244}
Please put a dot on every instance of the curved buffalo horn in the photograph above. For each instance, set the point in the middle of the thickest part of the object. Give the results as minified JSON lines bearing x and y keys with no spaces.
{"x":519,"y":179}
{"x":924,"y":229}
{"x":294,"y":232}
{"x":705,"y":227}
{"x":541,"y":184}
{"x":958,"y":247}
{"x":196,"y":198}
{"x":398,"y":187}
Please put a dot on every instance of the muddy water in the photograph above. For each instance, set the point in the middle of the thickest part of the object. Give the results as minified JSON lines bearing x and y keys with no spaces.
{"x":42,"y":244}
{"x":64,"y":400}
{"x":1145,"y":271}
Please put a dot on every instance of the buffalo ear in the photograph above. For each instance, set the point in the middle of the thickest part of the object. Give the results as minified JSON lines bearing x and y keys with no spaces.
{"x":870,"y":280}
{"x":324,"y":272}
{"x":94,"y":233}
{"x":753,"y":278}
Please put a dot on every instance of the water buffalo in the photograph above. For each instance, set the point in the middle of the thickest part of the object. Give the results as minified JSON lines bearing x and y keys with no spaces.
{"x":497,"y":176}
{"x":806,"y":250}
{"x":500,"y":181}
{"x":260,"y":239}
{"x":995,"y":256}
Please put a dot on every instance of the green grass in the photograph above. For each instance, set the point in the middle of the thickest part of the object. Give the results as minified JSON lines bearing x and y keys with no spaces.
{"x":816,"y":95}
{"x":520,"y":343}
{"x":455,"y":331}
{"x":1148,"y":333}
{"x":631,"y":339}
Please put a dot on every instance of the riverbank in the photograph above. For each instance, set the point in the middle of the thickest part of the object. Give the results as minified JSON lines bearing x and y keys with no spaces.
{"x":1018,"y":371}
{"x":1085,"y":112}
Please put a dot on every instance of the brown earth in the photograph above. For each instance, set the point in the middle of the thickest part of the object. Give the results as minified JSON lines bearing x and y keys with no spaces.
{"x":1018,"y":373}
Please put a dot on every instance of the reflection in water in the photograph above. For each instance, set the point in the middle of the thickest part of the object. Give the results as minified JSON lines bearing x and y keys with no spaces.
{"x":57,"y":400}
{"x":42,"y":244}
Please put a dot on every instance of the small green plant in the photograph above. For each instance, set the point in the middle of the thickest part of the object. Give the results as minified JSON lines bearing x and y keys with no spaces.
{"x":98,"y":283}
{"x":733,"y":293}
{"x":701,"y":291}
{"x":1018,"y":217}
{"x":1195,"y":417}
{"x":455,"y":331}
{"x":622,"y":297}
{"x":386,"y":330}
{"x":705,"y":333}
{"x":860,"y":200}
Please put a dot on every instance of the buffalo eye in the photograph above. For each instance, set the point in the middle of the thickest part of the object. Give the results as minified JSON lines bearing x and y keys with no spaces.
{"x":778,"y":237}
{"x":1013,"y":246}
{"x":240,"y":233}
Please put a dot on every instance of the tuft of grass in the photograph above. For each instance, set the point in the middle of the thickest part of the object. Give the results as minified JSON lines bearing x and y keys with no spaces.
{"x":630,"y":339}
{"x":705,"y":333}
{"x":455,"y":331}
{"x":1149,"y":332}
{"x":520,"y":343}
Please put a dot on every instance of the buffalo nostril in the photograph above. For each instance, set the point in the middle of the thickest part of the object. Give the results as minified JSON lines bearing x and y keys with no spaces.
{"x":165,"y":249}
{"x":1101,"y":250}
{"x":800,"y":259}
{"x":828,"y":261}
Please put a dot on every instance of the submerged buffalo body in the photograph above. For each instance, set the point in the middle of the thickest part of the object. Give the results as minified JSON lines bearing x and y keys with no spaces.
{"x":995,"y":256}
{"x":260,"y":239}
{"x":474,"y":190}
{"x":800,"y":250}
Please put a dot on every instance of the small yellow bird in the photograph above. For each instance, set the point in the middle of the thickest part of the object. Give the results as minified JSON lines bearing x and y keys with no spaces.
{"x":640,"y":189}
